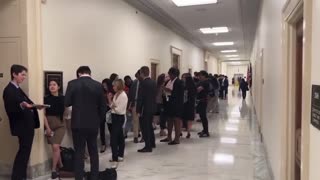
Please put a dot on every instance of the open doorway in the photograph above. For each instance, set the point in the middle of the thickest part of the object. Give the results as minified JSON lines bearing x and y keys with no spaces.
{"x":154,"y":72}
{"x":175,"y":60}
{"x":298,"y":95}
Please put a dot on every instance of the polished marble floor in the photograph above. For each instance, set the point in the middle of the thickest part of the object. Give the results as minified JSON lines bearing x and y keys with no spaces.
{"x":233,"y":152}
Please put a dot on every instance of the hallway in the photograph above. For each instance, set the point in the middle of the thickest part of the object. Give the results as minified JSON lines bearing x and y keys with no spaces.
{"x":233,"y":152}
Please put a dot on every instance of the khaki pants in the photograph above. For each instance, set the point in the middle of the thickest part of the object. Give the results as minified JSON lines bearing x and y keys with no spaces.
{"x":135,"y":121}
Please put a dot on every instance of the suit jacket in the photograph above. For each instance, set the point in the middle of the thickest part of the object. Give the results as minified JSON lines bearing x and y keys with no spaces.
{"x":21,"y":120}
{"x":147,"y":97}
{"x":88,"y":102}
{"x":132,"y":93}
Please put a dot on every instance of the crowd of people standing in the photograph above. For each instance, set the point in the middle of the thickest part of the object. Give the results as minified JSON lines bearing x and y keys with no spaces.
{"x":126,"y":105}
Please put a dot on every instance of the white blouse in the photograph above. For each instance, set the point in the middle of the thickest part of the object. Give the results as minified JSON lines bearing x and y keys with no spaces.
{"x":121,"y":103}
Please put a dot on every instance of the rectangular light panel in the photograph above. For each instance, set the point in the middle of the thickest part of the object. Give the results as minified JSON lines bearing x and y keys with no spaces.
{"x":181,"y":3}
{"x":229,"y":51}
{"x":214,"y":30}
{"x":223,"y":43}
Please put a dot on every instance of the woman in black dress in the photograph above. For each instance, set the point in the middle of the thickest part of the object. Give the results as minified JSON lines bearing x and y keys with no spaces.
{"x":190,"y":93}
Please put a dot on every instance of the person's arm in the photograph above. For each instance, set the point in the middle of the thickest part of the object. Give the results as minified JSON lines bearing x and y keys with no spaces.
{"x":68,"y":96}
{"x":46,"y":125}
{"x":14,"y":103}
{"x":140,"y":98}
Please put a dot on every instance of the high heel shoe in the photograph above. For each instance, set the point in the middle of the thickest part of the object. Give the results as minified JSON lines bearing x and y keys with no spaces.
{"x":188,"y":136}
{"x":103,"y":149}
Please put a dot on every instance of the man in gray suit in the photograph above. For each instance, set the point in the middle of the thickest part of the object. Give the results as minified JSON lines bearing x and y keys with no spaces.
{"x":86,"y":97}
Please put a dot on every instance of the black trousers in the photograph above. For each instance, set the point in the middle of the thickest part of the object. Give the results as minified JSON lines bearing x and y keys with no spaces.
{"x":244,"y":94}
{"x":202,"y":110}
{"x":163,"y":119}
{"x":147,"y":130}
{"x":117,"y":137}
{"x":20,"y":165}
{"x":81,"y":137}
{"x":103,"y":133}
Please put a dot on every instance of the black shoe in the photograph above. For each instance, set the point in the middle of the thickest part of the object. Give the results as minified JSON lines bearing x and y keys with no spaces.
{"x":165,"y":140}
{"x":55,"y":175}
{"x":135,"y":140}
{"x":139,"y":135}
{"x":126,"y":136}
{"x":141,"y":141}
{"x":145,"y":150}
{"x":153,"y":146}
{"x":188,"y":136}
{"x":181,"y":134}
{"x":173,"y":143}
{"x":103,"y":149}
{"x":200,"y":132}
{"x":204,"y":135}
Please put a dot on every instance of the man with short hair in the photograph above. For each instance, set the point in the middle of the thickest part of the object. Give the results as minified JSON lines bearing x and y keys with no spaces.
{"x":203,"y":90}
{"x":86,"y":97}
{"x":146,"y":107}
{"x":23,"y":119}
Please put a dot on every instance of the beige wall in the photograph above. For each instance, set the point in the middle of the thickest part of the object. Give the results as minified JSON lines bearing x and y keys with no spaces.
{"x":315,"y":133}
{"x":223,"y":68}
{"x":20,"y":43}
{"x":110,"y":37}
{"x":267,"y":59}
{"x":212,"y":65}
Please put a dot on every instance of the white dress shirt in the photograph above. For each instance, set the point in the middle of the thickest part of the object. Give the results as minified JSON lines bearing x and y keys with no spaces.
{"x":121,"y":103}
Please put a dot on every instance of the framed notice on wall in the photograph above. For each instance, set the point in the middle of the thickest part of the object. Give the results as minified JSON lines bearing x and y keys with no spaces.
{"x":315,"y":106}
{"x":53,"y":75}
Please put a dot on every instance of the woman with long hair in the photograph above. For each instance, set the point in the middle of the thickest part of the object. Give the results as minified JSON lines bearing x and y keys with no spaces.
{"x":159,"y":116}
{"x":190,"y":93}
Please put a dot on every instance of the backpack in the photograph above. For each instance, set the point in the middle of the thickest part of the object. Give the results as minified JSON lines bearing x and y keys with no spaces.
{"x":108,"y":174}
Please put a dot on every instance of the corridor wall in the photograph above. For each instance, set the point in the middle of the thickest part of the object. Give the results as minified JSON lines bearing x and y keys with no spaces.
{"x":109,"y":36}
{"x":212,"y":65}
{"x":267,"y":65}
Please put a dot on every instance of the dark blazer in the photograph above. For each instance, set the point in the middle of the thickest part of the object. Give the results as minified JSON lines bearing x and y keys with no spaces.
{"x":147,"y":97}
{"x":22,"y":121}
{"x":174,"y":107}
{"x":132,"y":93}
{"x":88,"y":102}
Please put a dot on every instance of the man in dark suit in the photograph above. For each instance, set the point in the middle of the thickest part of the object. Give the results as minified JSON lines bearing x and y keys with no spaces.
{"x":86,"y":97}
{"x":146,"y":107}
{"x":23,"y":119}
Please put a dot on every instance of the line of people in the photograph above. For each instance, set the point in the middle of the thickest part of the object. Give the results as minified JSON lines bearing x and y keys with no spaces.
{"x":124,"y":105}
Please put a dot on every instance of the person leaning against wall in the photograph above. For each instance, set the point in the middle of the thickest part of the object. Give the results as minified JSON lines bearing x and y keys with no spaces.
{"x":54,"y":124}
{"x":23,"y":118}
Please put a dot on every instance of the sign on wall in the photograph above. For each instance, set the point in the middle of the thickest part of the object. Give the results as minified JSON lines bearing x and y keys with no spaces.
{"x":315,"y":106}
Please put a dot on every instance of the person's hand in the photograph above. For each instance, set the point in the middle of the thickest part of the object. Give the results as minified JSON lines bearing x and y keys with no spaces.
{"x":113,"y":106}
{"x":110,"y":96}
{"x":48,"y":132}
{"x":139,"y":115}
{"x":26,"y":105}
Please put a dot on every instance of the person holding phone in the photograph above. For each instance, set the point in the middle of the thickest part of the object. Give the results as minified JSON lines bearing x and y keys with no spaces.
{"x":23,"y":118}
{"x":55,"y":124}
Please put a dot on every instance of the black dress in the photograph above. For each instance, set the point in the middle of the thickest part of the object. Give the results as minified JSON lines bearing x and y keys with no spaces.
{"x":174,"y":104}
{"x":189,"y":104}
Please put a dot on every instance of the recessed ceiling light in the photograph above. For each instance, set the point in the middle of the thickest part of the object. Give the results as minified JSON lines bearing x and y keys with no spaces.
{"x":229,"y":51}
{"x":235,"y":55}
{"x":181,"y":3}
{"x":223,"y":43}
{"x":214,"y":30}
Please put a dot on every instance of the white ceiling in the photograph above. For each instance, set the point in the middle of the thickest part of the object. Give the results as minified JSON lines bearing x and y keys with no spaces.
{"x":238,"y":15}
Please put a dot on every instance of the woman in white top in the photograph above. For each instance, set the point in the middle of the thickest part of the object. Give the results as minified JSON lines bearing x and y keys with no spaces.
{"x":118,"y":110}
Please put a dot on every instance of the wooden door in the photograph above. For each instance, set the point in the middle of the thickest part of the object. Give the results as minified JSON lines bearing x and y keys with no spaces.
{"x":154,"y":72}
{"x":176,"y":61}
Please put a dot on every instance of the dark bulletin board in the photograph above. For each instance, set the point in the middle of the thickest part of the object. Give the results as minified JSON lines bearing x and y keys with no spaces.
{"x":53,"y":75}
{"x":315,"y":106}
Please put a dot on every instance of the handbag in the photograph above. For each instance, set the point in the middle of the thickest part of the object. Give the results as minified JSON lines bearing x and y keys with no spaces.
{"x":67,"y":157}
{"x":108,"y":174}
{"x":108,"y":117}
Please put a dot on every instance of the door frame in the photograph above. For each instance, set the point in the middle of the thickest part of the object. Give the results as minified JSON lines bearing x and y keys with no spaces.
{"x":292,"y":12}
